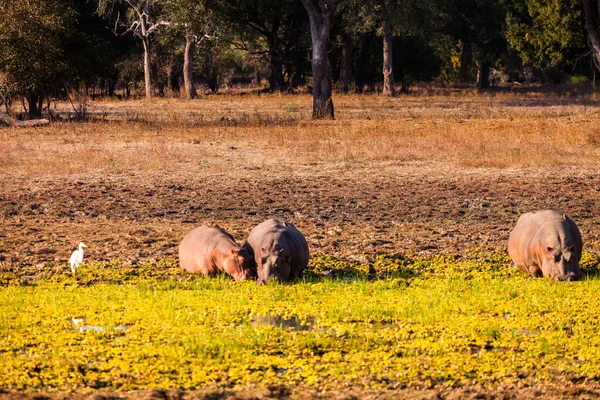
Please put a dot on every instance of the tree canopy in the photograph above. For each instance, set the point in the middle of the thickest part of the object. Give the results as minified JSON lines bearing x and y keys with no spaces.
{"x":127,"y":47}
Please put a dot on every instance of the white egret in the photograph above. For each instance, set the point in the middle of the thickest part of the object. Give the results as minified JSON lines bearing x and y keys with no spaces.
{"x":77,"y":257}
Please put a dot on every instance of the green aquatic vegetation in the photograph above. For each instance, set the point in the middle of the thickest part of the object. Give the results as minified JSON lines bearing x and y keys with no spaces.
{"x":396,"y":321}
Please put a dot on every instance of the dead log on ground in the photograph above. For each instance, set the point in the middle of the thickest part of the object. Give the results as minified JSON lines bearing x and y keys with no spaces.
{"x":10,"y":121}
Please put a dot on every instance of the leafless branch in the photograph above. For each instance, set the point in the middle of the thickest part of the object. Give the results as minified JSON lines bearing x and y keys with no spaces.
{"x":133,"y":27}
{"x":199,"y":40}
{"x":156,"y":26}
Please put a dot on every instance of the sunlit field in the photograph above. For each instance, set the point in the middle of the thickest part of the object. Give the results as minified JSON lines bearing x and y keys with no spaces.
{"x":466,"y":130}
{"x":408,"y":323}
{"x":406,"y":204}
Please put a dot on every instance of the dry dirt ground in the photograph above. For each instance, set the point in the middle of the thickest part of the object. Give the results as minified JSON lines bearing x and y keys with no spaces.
{"x":560,"y":390}
{"x":408,"y":209}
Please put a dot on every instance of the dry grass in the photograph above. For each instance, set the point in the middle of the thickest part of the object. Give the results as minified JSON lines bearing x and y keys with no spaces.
{"x":231,"y":132}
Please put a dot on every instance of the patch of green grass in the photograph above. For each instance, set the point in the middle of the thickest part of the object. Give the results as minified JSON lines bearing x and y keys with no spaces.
{"x":398,"y":321}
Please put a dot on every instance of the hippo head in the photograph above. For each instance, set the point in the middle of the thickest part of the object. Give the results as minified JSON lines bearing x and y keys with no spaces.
{"x":273,"y":264}
{"x":560,"y":262}
{"x":239,"y":264}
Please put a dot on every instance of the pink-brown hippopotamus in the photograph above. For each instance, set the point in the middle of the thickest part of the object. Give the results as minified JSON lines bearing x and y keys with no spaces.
{"x":209,"y":250}
{"x":279,"y":250}
{"x":546,"y":243}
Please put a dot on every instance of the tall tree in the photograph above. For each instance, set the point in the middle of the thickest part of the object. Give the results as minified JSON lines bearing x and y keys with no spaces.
{"x":142,"y":19}
{"x":362,"y":61}
{"x":551,"y":34}
{"x":270,"y":28}
{"x":33,"y":56}
{"x":478,"y":28}
{"x":320,"y":16}
{"x":391,"y":18}
{"x":347,"y":58}
{"x":190,"y":19}
{"x":188,"y":66}
{"x":592,"y":24}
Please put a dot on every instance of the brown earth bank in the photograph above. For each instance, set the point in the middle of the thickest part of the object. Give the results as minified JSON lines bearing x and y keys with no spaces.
{"x":501,"y":392}
{"x":418,"y":209}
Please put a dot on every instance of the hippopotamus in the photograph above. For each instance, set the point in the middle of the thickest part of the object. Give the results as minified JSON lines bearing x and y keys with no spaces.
{"x":546,"y":243}
{"x":209,"y":250}
{"x":279,"y":249}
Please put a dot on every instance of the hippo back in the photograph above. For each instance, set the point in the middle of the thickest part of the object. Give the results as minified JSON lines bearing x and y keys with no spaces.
{"x":300,"y":252}
{"x":197,"y":247}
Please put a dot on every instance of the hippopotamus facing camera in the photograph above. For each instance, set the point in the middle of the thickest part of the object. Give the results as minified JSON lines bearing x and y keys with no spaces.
{"x":279,"y":250}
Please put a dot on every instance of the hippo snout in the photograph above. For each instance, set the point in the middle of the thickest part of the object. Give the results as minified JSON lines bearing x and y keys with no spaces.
{"x":571,"y":276}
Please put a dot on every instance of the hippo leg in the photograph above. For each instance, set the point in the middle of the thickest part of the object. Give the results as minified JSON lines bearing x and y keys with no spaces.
{"x":296,"y":274}
{"x":535,"y":271}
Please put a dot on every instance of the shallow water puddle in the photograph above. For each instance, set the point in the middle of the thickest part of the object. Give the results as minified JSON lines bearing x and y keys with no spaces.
{"x":291,"y":323}
{"x":95,"y":328}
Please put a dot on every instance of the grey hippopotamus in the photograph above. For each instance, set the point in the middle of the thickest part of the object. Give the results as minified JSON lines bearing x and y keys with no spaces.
{"x":546,"y":243}
{"x":279,"y":250}
{"x":209,"y":250}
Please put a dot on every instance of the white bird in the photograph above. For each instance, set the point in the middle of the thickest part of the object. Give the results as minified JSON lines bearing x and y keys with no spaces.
{"x":77,"y":257}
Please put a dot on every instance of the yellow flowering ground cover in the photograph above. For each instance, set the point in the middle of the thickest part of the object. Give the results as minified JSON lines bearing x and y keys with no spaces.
{"x":397,"y":322}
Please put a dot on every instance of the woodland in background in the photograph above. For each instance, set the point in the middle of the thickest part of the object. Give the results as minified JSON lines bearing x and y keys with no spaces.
{"x":71,"y":50}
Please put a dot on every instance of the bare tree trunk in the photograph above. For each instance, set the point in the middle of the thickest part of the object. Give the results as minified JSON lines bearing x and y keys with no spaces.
{"x":276,"y":78}
{"x":388,"y":73}
{"x":176,"y":85}
{"x":8,"y":105}
{"x":35,"y":100}
{"x":483,"y":75}
{"x":276,"y":61}
{"x":320,"y":17}
{"x":147,"y":69}
{"x":113,"y":83}
{"x":322,"y":80}
{"x":257,"y":78}
{"x":362,"y":62}
{"x":591,"y":25}
{"x":346,"y":62}
{"x":169,"y":68}
{"x":188,"y":67}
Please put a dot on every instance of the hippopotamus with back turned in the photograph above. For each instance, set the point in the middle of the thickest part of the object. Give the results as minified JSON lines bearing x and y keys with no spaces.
{"x":546,"y":243}
{"x":279,"y":250}
{"x":209,"y":250}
